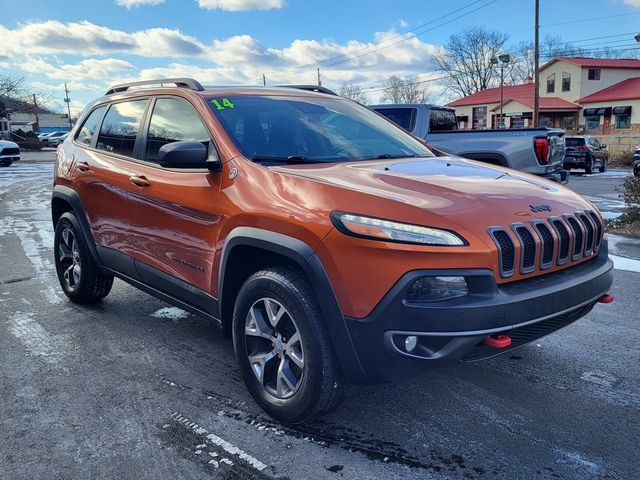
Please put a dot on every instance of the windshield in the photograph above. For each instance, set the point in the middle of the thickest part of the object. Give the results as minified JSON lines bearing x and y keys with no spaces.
{"x":311,"y":129}
{"x":574,"y":142}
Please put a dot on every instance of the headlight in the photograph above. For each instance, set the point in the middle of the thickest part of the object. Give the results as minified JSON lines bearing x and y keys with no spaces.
{"x":379,"y":229}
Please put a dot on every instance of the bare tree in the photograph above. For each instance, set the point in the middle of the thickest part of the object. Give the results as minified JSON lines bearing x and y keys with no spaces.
{"x":11,"y":86}
{"x":407,"y":90}
{"x":466,"y":59}
{"x":354,"y":92}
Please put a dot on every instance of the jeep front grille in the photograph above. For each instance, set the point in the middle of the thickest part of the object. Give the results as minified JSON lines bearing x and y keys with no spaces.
{"x":543,"y":243}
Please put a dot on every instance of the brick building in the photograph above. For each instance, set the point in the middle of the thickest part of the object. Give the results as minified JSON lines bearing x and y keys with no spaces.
{"x":593,"y":95}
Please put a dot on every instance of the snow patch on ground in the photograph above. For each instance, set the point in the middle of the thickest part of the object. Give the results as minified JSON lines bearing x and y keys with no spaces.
{"x":171,"y":313}
{"x":53,"y":349}
{"x":627,"y":264}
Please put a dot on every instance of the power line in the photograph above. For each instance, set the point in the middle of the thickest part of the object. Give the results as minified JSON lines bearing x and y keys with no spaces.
{"x":382,"y":45}
{"x":414,"y":35}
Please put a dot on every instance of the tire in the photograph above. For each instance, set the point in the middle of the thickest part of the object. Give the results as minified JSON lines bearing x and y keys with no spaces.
{"x":79,"y":276}
{"x":315,"y":383}
{"x":605,"y":165}
{"x":588,"y":168}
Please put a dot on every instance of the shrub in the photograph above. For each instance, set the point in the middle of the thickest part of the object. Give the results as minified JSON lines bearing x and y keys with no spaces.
{"x":621,"y":159}
{"x":631,"y":197}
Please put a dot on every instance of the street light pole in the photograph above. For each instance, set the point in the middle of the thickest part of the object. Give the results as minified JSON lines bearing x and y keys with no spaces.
{"x":504,"y":59}
{"x":536,"y":66}
{"x":501,"y":93}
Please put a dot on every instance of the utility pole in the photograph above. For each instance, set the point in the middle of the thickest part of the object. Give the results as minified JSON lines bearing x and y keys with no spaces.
{"x":536,"y":73}
{"x":264,"y":80}
{"x":35,"y":110}
{"x":68,"y":102}
{"x":319,"y":82}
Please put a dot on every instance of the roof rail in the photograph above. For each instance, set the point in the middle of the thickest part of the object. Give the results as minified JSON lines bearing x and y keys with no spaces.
{"x":311,"y":88}
{"x":179,"y":82}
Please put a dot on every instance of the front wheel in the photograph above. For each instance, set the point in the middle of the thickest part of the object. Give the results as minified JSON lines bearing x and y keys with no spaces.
{"x":605,"y":165}
{"x":283,"y":347}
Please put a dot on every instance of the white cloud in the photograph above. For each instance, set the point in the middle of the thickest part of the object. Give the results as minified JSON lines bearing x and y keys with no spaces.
{"x":137,"y":3}
{"x":86,"y":39}
{"x":403,"y":23}
{"x":240,"y":5}
{"x":40,"y":48}
{"x":88,"y":69}
{"x":632,"y":3}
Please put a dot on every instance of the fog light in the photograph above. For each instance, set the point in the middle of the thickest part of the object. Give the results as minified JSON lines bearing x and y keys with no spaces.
{"x":437,"y":289}
{"x":410,"y":343}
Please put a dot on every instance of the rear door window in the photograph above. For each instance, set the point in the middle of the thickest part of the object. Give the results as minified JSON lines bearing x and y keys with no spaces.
{"x":120,"y":127}
{"x":90,"y":125}
{"x":442,"y":121}
{"x":404,"y":117}
{"x":174,"y":120}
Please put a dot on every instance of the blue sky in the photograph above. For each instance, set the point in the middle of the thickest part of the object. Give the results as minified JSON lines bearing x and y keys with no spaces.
{"x":92,"y":44}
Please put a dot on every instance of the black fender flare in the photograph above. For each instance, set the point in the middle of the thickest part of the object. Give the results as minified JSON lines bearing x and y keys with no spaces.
{"x":72,"y":198}
{"x":305,"y":258}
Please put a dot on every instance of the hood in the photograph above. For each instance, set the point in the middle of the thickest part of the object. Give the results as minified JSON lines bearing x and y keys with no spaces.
{"x":6,"y":143}
{"x":454,"y":188}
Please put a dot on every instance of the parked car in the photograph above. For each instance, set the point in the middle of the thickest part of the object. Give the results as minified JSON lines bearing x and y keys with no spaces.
{"x":55,"y":139}
{"x":584,"y":151}
{"x":42,"y":136}
{"x":9,"y":153}
{"x":331,"y":245}
{"x":533,"y":150}
{"x":636,"y":161}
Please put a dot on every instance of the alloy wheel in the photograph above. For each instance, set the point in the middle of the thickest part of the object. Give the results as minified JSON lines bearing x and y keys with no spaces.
{"x":69,"y":257}
{"x":274,"y":348}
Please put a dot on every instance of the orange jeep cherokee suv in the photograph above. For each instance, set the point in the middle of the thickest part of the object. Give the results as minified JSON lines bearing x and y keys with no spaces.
{"x":331,"y":245}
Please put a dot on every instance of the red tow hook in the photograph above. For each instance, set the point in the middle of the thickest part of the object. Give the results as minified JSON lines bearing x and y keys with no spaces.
{"x":498,"y":341}
{"x":606,"y":298}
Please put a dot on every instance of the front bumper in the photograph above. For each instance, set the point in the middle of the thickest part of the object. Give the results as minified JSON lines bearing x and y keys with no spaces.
{"x":455,"y":330}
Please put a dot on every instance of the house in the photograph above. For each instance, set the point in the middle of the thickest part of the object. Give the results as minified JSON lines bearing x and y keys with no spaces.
{"x":43,"y":123}
{"x":594,"y":95}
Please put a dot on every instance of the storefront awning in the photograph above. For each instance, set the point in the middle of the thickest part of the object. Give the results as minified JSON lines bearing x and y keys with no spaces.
{"x":622,"y":110}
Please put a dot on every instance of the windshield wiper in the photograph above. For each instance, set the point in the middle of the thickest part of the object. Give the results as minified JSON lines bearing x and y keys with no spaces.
{"x":389,"y":156}
{"x":290,"y":159}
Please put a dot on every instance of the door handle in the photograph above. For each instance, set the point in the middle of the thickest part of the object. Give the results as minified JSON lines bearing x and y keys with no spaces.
{"x":83,"y":167}
{"x":139,"y":181}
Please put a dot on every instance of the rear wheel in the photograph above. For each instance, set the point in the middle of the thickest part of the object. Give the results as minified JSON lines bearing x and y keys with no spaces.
{"x":79,"y":276}
{"x":589,"y":166}
{"x":283,"y":348}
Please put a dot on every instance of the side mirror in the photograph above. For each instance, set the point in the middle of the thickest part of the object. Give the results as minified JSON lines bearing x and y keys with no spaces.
{"x":185,"y":155}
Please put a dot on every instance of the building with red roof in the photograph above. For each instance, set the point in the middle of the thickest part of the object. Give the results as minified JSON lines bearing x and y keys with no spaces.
{"x":576,"y":93}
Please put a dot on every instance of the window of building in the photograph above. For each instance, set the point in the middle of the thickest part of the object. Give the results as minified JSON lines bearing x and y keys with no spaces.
{"x":566,"y":82}
{"x":517,"y":122}
{"x":85,"y":134}
{"x":569,"y":123}
{"x":120,"y":127}
{"x":594,"y":74}
{"x":479,"y":118}
{"x":551,"y":83}
{"x":592,"y":122}
{"x":623,"y":121}
{"x":173,"y":121}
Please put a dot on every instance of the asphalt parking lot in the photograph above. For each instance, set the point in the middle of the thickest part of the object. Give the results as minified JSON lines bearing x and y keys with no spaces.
{"x":134,"y":388}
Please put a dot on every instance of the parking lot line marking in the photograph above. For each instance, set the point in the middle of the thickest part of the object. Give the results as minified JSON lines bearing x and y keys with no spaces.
{"x":221,"y":442}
